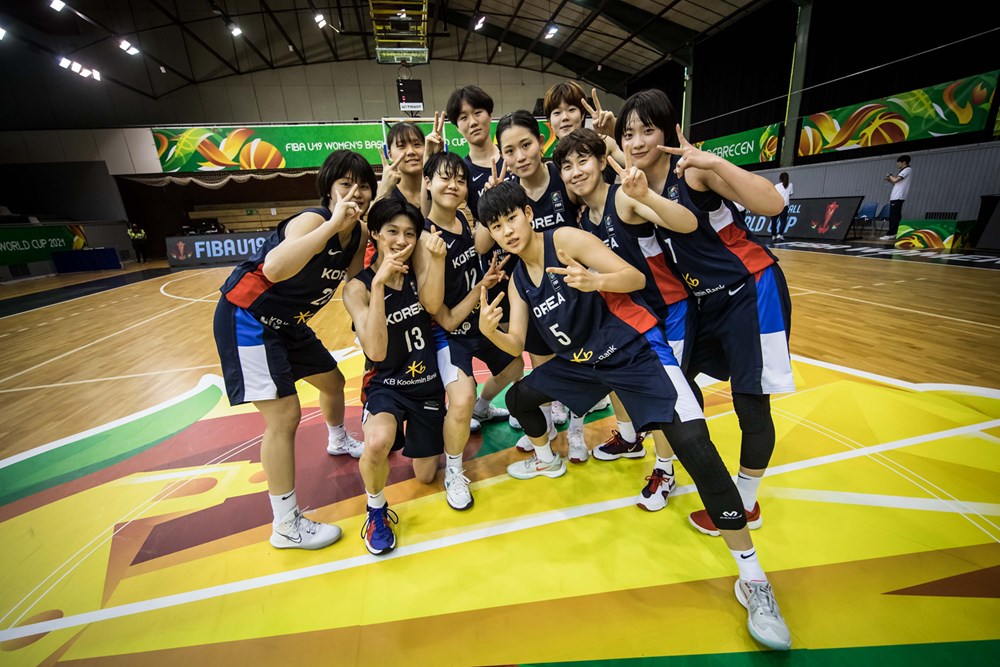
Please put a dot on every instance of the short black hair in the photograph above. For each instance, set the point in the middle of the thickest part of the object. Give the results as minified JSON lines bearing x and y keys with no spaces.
{"x":521,"y":118}
{"x":344,"y":164}
{"x":500,"y":200}
{"x":583,"y":141}
{"x":474,"y":95}
{"x":654,"y":109}
{"x":569,"y":92}
{"x":450,"y":164}
{"x":387,"y":209}
{"x":406,"y":132}
{"x":904,"y":159}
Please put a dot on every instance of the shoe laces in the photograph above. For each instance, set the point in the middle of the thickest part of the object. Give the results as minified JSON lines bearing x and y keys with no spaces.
{"x":380,"y":516}
{"x":303,"y":524}
{"x":763,"y":599}
{"x":453,"y":474}
{"x":655,"y":479}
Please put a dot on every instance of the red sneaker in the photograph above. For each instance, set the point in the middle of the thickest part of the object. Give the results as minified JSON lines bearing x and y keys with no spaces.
{"x":617,"y":447}
{"x":703,"y":522}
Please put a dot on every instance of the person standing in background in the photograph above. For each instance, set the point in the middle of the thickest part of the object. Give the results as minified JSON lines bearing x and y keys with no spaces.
{"x":138,"y":236}
{"x":900,"y":190}
{"x":779,"y":223}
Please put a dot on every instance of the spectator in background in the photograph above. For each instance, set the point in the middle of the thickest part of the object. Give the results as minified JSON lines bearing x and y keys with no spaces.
{"x":138,"y":236}
{"x":779,"y":223}
{"x":900,"y":190}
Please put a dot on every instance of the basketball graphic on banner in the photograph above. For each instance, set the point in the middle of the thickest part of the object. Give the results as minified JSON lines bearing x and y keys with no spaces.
{"x":259,"y":154}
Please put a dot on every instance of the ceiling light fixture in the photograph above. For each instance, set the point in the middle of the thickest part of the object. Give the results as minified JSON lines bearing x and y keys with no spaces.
{"x":320,"y":21}
{"x":480,"y":22}
{"x":75,"y":66}
{"x":235,"y":29}
{"x":96,"y":75}
{"x":64,"y":63}
{"x":553,"y":29}
{"x":2,"y":33}
{"x":57,"y":5}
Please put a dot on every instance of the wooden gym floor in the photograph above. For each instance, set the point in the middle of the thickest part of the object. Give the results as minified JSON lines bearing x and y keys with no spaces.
{"x":135,"y":525}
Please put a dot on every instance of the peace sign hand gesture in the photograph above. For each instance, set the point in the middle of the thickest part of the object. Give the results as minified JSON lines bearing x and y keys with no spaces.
{"x":576,"y":275}
{"x":490,"y":313}
{"x":346,"y":211}
{"x":634,"y":183}
{"x":434,"y":141}
{"x":393,"y":263}
{"x":495,"y":273}
{"x":690,"y":155}
{"x":604,"y":121}
{"x":495,"y":178}
{"x":433,"y":242}
{"x":390,"y":175}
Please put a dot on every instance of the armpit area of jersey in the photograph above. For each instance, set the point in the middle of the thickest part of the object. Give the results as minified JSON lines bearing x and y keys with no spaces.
{"x":707,"y":201}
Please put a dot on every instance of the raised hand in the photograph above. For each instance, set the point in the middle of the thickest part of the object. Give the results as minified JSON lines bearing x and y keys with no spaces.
{"x":434,"y":141}
{"x":390,"y":175}
{"x":495,"y":273}
{"x":495,"y":178}
{"x":690,"y":155}
{"x":634,"y":182}
{"x":346,"y":209}
{"x":490,"y":313}
{"x":433,"y":242}
{"x":604,"y":121}
{"x":576,"y":275}
{"x":393,"y":263}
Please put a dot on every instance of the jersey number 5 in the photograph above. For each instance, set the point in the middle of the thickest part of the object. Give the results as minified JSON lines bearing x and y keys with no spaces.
{"x":560,"y":336}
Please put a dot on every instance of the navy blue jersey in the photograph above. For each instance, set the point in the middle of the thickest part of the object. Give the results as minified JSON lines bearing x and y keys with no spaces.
{"x":609,"y":174}
{"x":410,"y":364}
{"x":639,"y":246}
{"x":462,"y":270}
{"x":553,"y":209}
{"x":585,"y":327}
{"x":297,"y":299}
{"x":478,"y":178}
{"x":722,"y":251}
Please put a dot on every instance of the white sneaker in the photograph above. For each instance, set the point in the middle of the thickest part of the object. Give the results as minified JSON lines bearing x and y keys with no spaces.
{"x":474,"y":425}
{"x":532,"y":467}
{"x":763,"y":616}
{"x":512,"y":420}
{"x":297,"y":532}
{"x":600,"y":405}
{"x":560,"y":415}
{"x":655,"y":494}
{"x":578,"y":452}
{"x":491,"y":413}
{"x":887,"y":237}
{"x":456,"y":488}
{"x":347,"y":445}
{"x":523,"y":443}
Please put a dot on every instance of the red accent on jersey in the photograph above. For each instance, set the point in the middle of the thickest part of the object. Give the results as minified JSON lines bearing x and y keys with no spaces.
{"x":753,"y":256}
{"x":669,"y":286}
{"x":369,"y":253}
{"x":249,"y":288}
{"x":365,"y":381}
{"x":628,"y":311}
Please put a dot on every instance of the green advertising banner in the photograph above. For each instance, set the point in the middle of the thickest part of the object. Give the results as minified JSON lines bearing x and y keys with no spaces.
{"x":286,"y":146}
{"x":750,"y":147}
{"x":948,"y":108}
{"x":20,"y":245}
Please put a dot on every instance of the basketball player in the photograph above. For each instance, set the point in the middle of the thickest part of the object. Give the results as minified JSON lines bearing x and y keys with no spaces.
{"x":403,"y":387}
{"x":265,"y":343}
{"x":578,"y":293}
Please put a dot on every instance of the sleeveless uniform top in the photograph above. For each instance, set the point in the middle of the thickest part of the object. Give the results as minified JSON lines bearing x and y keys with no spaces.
{"x":478,"y":177}
{"x":462,"y":270}
{"x":410,"y":365}
{"x":295,"y":300}
{"x":639,"y":246}
{"x":585,"y":327}
{"x":722,"y":251}
{"x":553,"y":209}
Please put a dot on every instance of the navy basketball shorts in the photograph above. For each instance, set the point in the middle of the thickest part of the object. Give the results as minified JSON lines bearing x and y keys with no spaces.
{"x":679,"y":328}
{"x":742,"y":335}
{"x":635,"y":372}
{"x":455,"y":353}
{"x":423,"y":435}
{"x":260,"y":363}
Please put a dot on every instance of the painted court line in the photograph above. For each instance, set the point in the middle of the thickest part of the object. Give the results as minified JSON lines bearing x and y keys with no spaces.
{"x":106,"y":379}
{"x":877,"y":500}
{"x":907,"y":310}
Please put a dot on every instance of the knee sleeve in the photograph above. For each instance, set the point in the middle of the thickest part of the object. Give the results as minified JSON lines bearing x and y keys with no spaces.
{"x":523,"y":404}
{"x":699,"y":457}
{"x":754,"y":413}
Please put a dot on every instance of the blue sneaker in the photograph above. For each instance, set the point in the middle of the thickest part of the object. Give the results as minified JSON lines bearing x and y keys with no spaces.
{"x":377,"y":533}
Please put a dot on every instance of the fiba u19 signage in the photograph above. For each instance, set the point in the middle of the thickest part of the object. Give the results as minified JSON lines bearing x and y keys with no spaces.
{"x":213,"y":248}
{"x":814,"y":218}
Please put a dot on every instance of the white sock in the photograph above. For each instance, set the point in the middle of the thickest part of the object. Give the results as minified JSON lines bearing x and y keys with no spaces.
{"x":666,"y":465}
{"x":545,"y":453}
{"x":547,"y":411}
{"x":283,"y":504}
{"x":375,"y":500}
{"x":627,"y":431}
{"x":747,"y":486}
{"x":337,"y":433}
{"x":453,"y":460}
{"x":575,"y":421}
{"x":748,"y":565}
{"x":482,"y":405}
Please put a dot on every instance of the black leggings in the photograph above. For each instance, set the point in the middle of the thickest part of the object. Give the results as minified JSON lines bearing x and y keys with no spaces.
{"x":756,"y":425}
{"x":690,"y":441}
